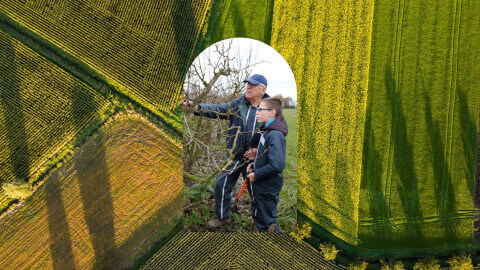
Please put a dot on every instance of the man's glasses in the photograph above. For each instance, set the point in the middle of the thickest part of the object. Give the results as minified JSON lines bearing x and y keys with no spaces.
{"x":263,"y":109}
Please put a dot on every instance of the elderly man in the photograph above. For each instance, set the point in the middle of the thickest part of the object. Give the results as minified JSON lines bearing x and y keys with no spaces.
{"x":244,"y":117}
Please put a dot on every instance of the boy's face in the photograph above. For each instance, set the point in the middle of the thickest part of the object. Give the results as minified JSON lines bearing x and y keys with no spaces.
{"x":264,"y":113}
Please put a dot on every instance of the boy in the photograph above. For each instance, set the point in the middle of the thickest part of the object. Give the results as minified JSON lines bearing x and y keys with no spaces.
{"x":265,"y":173}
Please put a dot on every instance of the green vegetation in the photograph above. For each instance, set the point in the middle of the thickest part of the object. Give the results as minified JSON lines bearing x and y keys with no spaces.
{"x":244,"y":222}
{"x":301,"y":232}
{"x":388,"y":103}
{"x":17,"y":189}
{"x":427,"y":263}
{"x":193,"y":219}
{"x":170,"y":121}
{"x":237,"y":18}
{"x":358,"y":265}
{"x":329,"y":251}
{"x":388,"y":106}
{"x":461,"y":261}
{"x":332,"y":78}
{"x":391,"y":265}
{"x":198,"y":192}
{"x":420,"y":141}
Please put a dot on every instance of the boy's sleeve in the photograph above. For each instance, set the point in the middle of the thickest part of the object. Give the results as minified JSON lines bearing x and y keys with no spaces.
{"x":276,"y":157}
{"x":213,"y":108}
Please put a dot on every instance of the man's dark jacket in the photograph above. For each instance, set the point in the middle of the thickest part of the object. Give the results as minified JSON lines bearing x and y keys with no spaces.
{"x":239,"y":107}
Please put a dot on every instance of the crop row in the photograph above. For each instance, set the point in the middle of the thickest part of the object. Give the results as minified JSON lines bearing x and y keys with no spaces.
{"x":42,"y":108}
{"x":213,"y":250}
{"x":145,"y":47}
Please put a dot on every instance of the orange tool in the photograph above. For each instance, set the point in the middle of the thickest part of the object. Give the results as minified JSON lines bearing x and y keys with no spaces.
{"x":243,"y":188}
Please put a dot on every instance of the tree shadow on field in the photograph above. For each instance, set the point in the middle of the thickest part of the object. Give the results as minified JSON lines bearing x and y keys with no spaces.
{"x":404,"y":164}
{"x":444,"y":190}
{"x":469,"y":140}
{"x":240,"y":28}
{"x":13,"y":116}
{"x":60,"y":242}
{"x":95,"y":188}
{"x":183,"y":24}
{"x":371,"y":185}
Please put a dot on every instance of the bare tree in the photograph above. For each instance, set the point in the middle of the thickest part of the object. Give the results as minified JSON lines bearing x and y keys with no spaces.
{"x":288,"y":102}
{"x":216,"y":76}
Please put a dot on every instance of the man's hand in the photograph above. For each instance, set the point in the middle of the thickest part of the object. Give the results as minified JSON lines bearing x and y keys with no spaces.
{"x":251,"y":177}
{"x":189,"y":103}
{"x":250,"y":153}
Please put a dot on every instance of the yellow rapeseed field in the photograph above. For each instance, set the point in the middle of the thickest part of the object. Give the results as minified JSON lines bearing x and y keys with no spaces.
{"x":327,"y":44}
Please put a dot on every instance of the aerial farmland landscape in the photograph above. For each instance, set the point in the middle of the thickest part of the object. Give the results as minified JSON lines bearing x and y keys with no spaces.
{"x":388,"y":122}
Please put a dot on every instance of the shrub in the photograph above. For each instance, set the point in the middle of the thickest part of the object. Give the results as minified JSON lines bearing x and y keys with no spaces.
{"x":329,"y":251}
{"x":17,"y":189}
{"x":192,"y":219}
{"x":392,"y":265}
{"x":461,"y":261}
{"x":244,"y":222}
{"x":427,"y":263}
{"x":302,"y":232}
{"x":358,"y":265}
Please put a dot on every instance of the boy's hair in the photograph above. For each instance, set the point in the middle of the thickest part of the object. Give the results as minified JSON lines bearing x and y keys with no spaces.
{"x":274,"y":103}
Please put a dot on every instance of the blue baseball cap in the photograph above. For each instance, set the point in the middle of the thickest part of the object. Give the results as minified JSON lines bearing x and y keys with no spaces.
{"x":256,"y":79}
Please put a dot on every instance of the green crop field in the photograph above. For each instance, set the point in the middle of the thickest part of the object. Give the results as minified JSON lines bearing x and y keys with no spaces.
{"x":237,"y":18}
{"x":142,"y":47}
{"x":422,"y":117}
{"x":102,"y":208}
{"x":42,"y":108}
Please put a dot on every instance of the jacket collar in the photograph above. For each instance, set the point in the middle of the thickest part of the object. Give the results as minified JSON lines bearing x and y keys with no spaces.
{"x":278,"y":124}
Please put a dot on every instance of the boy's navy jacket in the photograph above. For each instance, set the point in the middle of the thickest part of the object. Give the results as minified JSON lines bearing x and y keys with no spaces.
{"x":244,"y":117}
{"x":269,"y":165}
